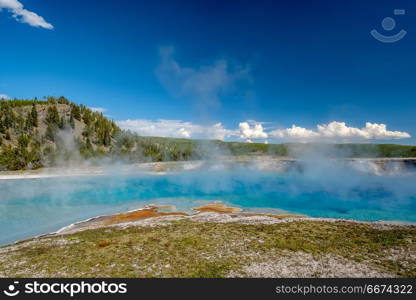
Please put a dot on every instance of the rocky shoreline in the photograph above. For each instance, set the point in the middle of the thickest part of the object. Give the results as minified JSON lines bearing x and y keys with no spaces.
{"x":377,"y":166}
{"x":215,"y":241}
{"x":155,"y":215}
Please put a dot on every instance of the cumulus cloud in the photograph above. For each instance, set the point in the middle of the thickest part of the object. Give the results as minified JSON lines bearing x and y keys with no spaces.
{"x":252,"y":130}
{"x":23,"y":15}
{"x":176,"y":128}
{"x":339,"y":131}
{"x":203,"y":84}
{"x":294,"y":132}
{"x":98,"y":109}
{"x":4,"y":96}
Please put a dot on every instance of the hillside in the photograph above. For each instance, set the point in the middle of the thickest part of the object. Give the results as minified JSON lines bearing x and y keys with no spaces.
{"x":58,"y":132}
{"x":38,"y":133}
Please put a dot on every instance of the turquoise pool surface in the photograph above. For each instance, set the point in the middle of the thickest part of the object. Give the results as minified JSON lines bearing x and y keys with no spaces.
{"x":31,"y":207}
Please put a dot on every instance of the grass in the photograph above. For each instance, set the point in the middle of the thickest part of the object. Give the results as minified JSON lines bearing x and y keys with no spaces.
{"x":192,"y":249}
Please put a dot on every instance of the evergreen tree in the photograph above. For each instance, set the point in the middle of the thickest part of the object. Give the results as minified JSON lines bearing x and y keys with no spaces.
{"x":28,"y":122}
{"x":2,"y":127}
{"x":23,"y":141}
{"x":34,"y":116}
{"x":75,"y":112}
{"x":50,"y":133}
{"x":87,"y":117}
{"x":20,"y":123}
{"x":8,"y":117}
{"x":62,"y":122}
{"x":72,"y":121}
{"x":52,"y":100}
{"x":52,"y":116}
{"x":63,"y":100}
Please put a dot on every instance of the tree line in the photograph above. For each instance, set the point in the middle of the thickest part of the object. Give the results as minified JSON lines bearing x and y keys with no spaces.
{"x":36,"y":133}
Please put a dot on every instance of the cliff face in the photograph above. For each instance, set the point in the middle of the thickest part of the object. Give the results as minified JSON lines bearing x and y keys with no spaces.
{"x":37,"y":133}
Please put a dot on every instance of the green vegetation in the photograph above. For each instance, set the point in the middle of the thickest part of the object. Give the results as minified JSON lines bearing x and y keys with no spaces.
{"x":194,"y":249}
{"x":55,"y":131}
{"x":37,"y":133}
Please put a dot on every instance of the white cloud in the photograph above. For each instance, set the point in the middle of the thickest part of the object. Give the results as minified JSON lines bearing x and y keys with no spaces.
{"x":176,"y":128}
{"x":370,"y":131}
{"x":98,"y":109}
{"x":4,"y":96}
{"x":203,"y":84}
{"x":252,"y":130}
{"x":23,"y":15}
{"x":294,"y":132}
{"x":339,"y":131}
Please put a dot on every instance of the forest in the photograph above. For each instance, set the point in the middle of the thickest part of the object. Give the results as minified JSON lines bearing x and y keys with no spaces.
{"x":56,"y":132}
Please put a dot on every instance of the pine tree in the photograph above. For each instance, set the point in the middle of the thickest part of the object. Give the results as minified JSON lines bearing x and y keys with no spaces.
{"x":7,"y":136}
{"x":75,"y":112}
{"x":50,"y":133}
{"x":52,"y":100}
{"x":72,"y":121}
{"x":62,"y":123}
{"x":63,"y":100}
{"x":34,"y":116}
{"x":28,"y":122}
{"x":2,"y":127}
{"x":8,"y":118}
{"x":88,"y":144}
{"x":87,"y":117}
{"x":23,"y":141}
{"x":52,"y":116}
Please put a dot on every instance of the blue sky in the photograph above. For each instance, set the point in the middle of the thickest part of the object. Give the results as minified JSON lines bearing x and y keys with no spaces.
{"x":244,"y":70}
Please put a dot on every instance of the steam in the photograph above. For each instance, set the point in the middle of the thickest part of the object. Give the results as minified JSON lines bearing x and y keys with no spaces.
{"x":204,"y":85}
{"x":67,"y":153}
{"x":314,"y":185}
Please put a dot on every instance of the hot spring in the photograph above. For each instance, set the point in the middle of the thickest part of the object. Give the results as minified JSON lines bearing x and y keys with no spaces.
{"x":31,"y":207}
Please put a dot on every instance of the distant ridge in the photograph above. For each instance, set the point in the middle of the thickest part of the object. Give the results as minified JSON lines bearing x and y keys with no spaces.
{"x":57,"y":132}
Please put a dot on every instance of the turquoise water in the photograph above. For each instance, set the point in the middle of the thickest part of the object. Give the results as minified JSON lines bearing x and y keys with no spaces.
{"x":34,"y":206}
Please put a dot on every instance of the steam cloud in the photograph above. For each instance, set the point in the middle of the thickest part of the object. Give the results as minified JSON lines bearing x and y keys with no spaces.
{"x":204,"y":84}
{"x":23,"y":15}
{"x":321,"y":188}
